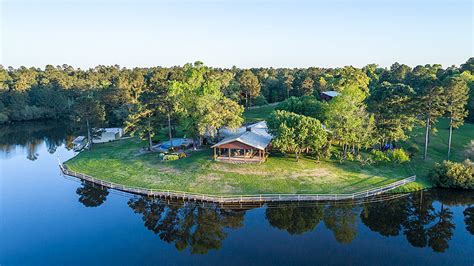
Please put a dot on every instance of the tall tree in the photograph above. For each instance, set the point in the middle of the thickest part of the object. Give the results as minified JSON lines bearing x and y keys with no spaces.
{"x":430,"y":98}
{"x":89,"y":111}
{"x":288,"y":81}
{"x":250,"y":86}
{"x":199,"y":99}
{"x":456,"y":94}
{"x":144,"y":123}
{"x":394,"y":111}
{"x":347,"y":119}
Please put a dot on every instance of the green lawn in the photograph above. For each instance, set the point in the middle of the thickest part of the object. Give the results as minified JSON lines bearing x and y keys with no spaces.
{"x":438,"y":148}
{"x":259,"y":113}
{"x":120,"y":162}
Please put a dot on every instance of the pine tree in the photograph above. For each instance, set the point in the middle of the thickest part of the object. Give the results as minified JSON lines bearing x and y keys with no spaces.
{"x":456,"y":94}
{"x":430,"y":98}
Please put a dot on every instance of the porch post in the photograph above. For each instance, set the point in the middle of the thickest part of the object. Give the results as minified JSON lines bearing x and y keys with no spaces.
{"x":215,"y":155}
{"x":244,"y":155}
{"x":229,"y":153}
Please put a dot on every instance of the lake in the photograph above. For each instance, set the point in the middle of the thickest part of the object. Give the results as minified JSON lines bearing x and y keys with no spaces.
{"x":46,"y":218}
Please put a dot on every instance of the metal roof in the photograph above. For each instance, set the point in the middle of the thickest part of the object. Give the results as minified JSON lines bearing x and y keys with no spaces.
{"x":259,"y":128}
{"x":331,"y":93}
{"x":79,"y":139}
{"x":258,"y":136}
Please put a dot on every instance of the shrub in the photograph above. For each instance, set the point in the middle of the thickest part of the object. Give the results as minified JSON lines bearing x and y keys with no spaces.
{"x":350,"y":157}
{"x":413,"y":150}
{"x":454,"y":175}
{"x":379,"y":156}
{"x":182,"y":155}
{"x":399,"y":156}
{"x":170,"y":157}
{"x":338,"y":157}
{"x":260,"y":100}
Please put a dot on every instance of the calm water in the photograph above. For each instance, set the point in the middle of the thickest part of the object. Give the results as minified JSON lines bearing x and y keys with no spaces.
{"x":48,"y":219}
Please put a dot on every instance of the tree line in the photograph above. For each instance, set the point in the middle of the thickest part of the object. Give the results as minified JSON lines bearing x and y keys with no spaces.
{"x":377,"y":105}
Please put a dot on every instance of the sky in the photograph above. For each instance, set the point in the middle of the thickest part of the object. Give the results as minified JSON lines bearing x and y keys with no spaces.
{"x":242,"y":33}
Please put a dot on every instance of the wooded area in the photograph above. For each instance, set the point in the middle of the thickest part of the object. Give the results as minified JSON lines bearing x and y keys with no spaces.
{"x":377,"y":105}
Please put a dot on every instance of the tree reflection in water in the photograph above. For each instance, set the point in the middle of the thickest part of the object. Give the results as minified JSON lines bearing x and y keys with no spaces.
{"x":340,"y":219}
{"x":469,"y":219}
{"x":187,"y":225}
{"x":91,"y":195}
{"x":295,"y":220}
{"x":424,"y":223}
{"x":33,"y":134}
{"x":425,"y":219}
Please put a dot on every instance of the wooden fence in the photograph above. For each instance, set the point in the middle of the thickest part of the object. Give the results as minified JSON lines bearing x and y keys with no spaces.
{"x":188,"y":196}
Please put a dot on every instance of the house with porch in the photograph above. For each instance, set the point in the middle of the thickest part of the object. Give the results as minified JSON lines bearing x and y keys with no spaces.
{"x":247,"y":144}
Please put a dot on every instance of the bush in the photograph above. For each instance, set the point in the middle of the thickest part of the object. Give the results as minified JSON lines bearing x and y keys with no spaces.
{"x":454,"y":175}
{"x":260,"y":100}
{"x":413,"y":150}
{"x":170,"y":157}
{"x":350,"y":157}
{"x":379,"y":156}
{"x":182,"y":155}
{"x":399,"y":156}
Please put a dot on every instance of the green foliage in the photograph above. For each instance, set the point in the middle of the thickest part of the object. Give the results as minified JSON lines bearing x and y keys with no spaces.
{"x":454,"y":175}
{"x":379,"y":156}
{"x":143,"y":123}
{"x":296,"y":133}
{"x":413,"y":149}
{"x":201,"y":104}
{"x":394,"y":111}
{"x":250,"y":86}
{"x":456,"y":94}
{"x":399,"y":156}
{"x":306,"y":105}
{"x":348,"y":121}
{"x":170,"y":157}
{"x":260,"y":100}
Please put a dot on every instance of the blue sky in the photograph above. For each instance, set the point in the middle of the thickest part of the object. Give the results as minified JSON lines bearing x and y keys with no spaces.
{"x":243,"y":33}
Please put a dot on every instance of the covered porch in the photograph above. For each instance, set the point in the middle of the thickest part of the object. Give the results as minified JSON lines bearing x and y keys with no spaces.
{"x":236,"y":152}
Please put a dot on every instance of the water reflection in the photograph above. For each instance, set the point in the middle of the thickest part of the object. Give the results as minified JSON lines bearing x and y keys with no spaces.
{"x":31,"y":135}
{"x":187,"y":225}
{"x":91,"y":195}
{"x":295,"y":220}
{"x":425,"y":219}
{"x":422,"y":223}
{"x":469,"y":219}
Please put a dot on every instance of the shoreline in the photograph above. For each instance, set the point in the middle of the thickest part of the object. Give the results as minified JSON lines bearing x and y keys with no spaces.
{"x":229,"y":198}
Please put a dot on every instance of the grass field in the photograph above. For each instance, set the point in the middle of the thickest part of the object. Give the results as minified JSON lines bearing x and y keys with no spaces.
{"x":121,"y":162}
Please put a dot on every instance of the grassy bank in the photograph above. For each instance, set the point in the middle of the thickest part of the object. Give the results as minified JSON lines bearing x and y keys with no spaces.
{"x":121,"y":162}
